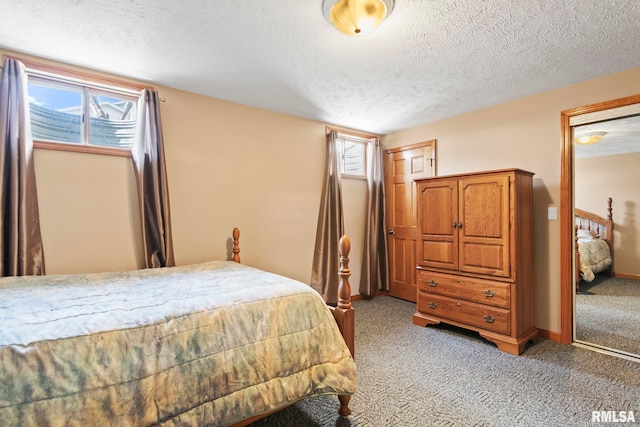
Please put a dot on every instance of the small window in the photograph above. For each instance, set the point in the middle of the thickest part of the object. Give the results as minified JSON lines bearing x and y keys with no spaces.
{"x":352,"y":151}
{"x":59,"y":110}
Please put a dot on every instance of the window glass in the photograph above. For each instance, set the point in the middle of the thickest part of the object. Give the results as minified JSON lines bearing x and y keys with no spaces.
{"x":56,"y":112}
{"x":352,"y":151}
{"x":112,"y":121}
{"x":353,"y":158}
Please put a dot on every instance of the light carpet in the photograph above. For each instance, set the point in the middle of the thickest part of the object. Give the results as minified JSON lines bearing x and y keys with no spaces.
{"x":443,"y":376}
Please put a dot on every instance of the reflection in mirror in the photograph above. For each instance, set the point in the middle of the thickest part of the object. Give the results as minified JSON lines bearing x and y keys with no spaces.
{"x":606,"y":173}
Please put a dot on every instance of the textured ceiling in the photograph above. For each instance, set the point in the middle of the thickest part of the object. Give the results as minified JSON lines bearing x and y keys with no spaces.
{"x":431,"y":59}
{"x":622,"y":137}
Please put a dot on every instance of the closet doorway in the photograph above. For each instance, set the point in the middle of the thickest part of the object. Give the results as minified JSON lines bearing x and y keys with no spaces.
{"x":619,"y":121}
{"x":403,"y":165}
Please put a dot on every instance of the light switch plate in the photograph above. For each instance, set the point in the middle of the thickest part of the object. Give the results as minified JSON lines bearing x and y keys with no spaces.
{"x":552,"y":212}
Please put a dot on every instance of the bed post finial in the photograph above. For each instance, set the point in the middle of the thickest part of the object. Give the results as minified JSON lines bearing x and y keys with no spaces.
{"x":609,"y":215}
{"x":236,"y":245}
{"x":344,"y":288}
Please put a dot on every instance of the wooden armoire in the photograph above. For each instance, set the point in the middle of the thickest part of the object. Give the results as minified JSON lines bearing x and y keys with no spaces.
{"x":475,"y":255}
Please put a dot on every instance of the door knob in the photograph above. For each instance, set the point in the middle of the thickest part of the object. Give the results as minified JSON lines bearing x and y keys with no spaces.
{"x":391,"y":232}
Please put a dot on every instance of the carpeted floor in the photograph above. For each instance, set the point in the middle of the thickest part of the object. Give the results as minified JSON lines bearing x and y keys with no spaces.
{"x":442,"y":376}
{"x":608,"y":313}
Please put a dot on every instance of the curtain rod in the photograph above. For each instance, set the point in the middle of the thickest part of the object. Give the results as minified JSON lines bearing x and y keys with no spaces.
{"x":352,"y":133}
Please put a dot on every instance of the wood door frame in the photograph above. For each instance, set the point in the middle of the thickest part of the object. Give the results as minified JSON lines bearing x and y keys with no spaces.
{"x":567,"y":246}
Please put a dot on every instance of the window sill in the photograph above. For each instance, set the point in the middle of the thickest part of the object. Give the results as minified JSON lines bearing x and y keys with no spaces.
{"x":89,"y":149}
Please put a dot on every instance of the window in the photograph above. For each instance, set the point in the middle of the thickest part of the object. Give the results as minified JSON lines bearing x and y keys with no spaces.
{"x":60,"y":107}
{"x":352,"y":152}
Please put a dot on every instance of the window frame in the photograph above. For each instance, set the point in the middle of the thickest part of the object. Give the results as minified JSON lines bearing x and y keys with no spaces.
{"x":86,"y":82}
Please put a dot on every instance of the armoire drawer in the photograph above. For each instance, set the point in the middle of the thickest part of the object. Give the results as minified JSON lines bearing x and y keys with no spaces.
{"x":481,"y":291}
{"x":479,"y":315}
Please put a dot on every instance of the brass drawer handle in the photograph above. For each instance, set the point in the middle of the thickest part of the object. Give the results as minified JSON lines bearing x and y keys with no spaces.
{"x":488,"y":293}
{"x":487,"y":318}
{"x":432,"y":283}
{"x":433,"y":305}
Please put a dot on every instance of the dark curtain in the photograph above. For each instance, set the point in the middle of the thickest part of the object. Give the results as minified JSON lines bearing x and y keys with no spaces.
{"x":375,"y":267}
{"x":324,"y":273}
{"x":151,"y":177}
{"x":20,"y":239}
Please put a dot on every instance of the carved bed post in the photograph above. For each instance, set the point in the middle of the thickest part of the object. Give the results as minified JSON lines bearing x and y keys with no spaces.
{"x":344,"y":287}
{"x":236,"y":245}
{"x":609,"y":239}
{"x":344,"y":312}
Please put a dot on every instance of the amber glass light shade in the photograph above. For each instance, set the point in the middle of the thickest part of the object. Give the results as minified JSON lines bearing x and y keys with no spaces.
{"x":358,"y":17}
{"x":589,"y":138}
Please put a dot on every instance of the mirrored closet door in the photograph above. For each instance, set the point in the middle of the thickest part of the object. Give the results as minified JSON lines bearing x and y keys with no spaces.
{"x":606,"y":202}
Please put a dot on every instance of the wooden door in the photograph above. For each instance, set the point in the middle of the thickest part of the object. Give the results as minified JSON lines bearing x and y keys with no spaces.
{"x":483,"y":225}
{"x":438,"y":216}
{"x":403,"y":165}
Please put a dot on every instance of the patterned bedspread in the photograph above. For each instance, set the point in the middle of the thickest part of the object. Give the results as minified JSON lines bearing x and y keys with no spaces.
{"x":208,"y":344}
{"x":594,"y":257}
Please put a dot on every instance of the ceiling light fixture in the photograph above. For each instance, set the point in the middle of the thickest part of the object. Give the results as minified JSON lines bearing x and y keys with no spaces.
{"x":589,"y":138}
{"x":357,"y":17}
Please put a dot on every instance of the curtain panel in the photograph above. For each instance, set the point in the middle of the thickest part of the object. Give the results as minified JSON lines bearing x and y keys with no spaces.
{"x":326,"y":259}
{"x":21,"y":251}
{"x":151,"y":176}
{"x":375,"y":267}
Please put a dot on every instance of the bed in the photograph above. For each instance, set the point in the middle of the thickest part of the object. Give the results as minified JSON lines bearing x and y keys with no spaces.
{"x":594,"y":244}
{"x":216,"y":343}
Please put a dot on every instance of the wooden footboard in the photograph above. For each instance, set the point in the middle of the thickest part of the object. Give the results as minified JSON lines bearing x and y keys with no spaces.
{"x":343,"y":313}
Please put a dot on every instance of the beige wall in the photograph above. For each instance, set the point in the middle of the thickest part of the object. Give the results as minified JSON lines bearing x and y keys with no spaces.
{"x":231,"y":165}
{"x":526,"y":134}
{"x":228,"y":165}
{"x":598,"y":178}
{"x":88,"y":212}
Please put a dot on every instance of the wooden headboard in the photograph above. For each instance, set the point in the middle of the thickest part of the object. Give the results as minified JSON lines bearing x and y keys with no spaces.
{"x":603,"y":227}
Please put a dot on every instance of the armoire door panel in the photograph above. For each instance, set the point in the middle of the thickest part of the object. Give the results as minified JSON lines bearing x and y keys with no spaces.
{"x":483,"y":259}
{"x":438,"y":254}
{"x":438,"y":216}
{"x":484,"y":230}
